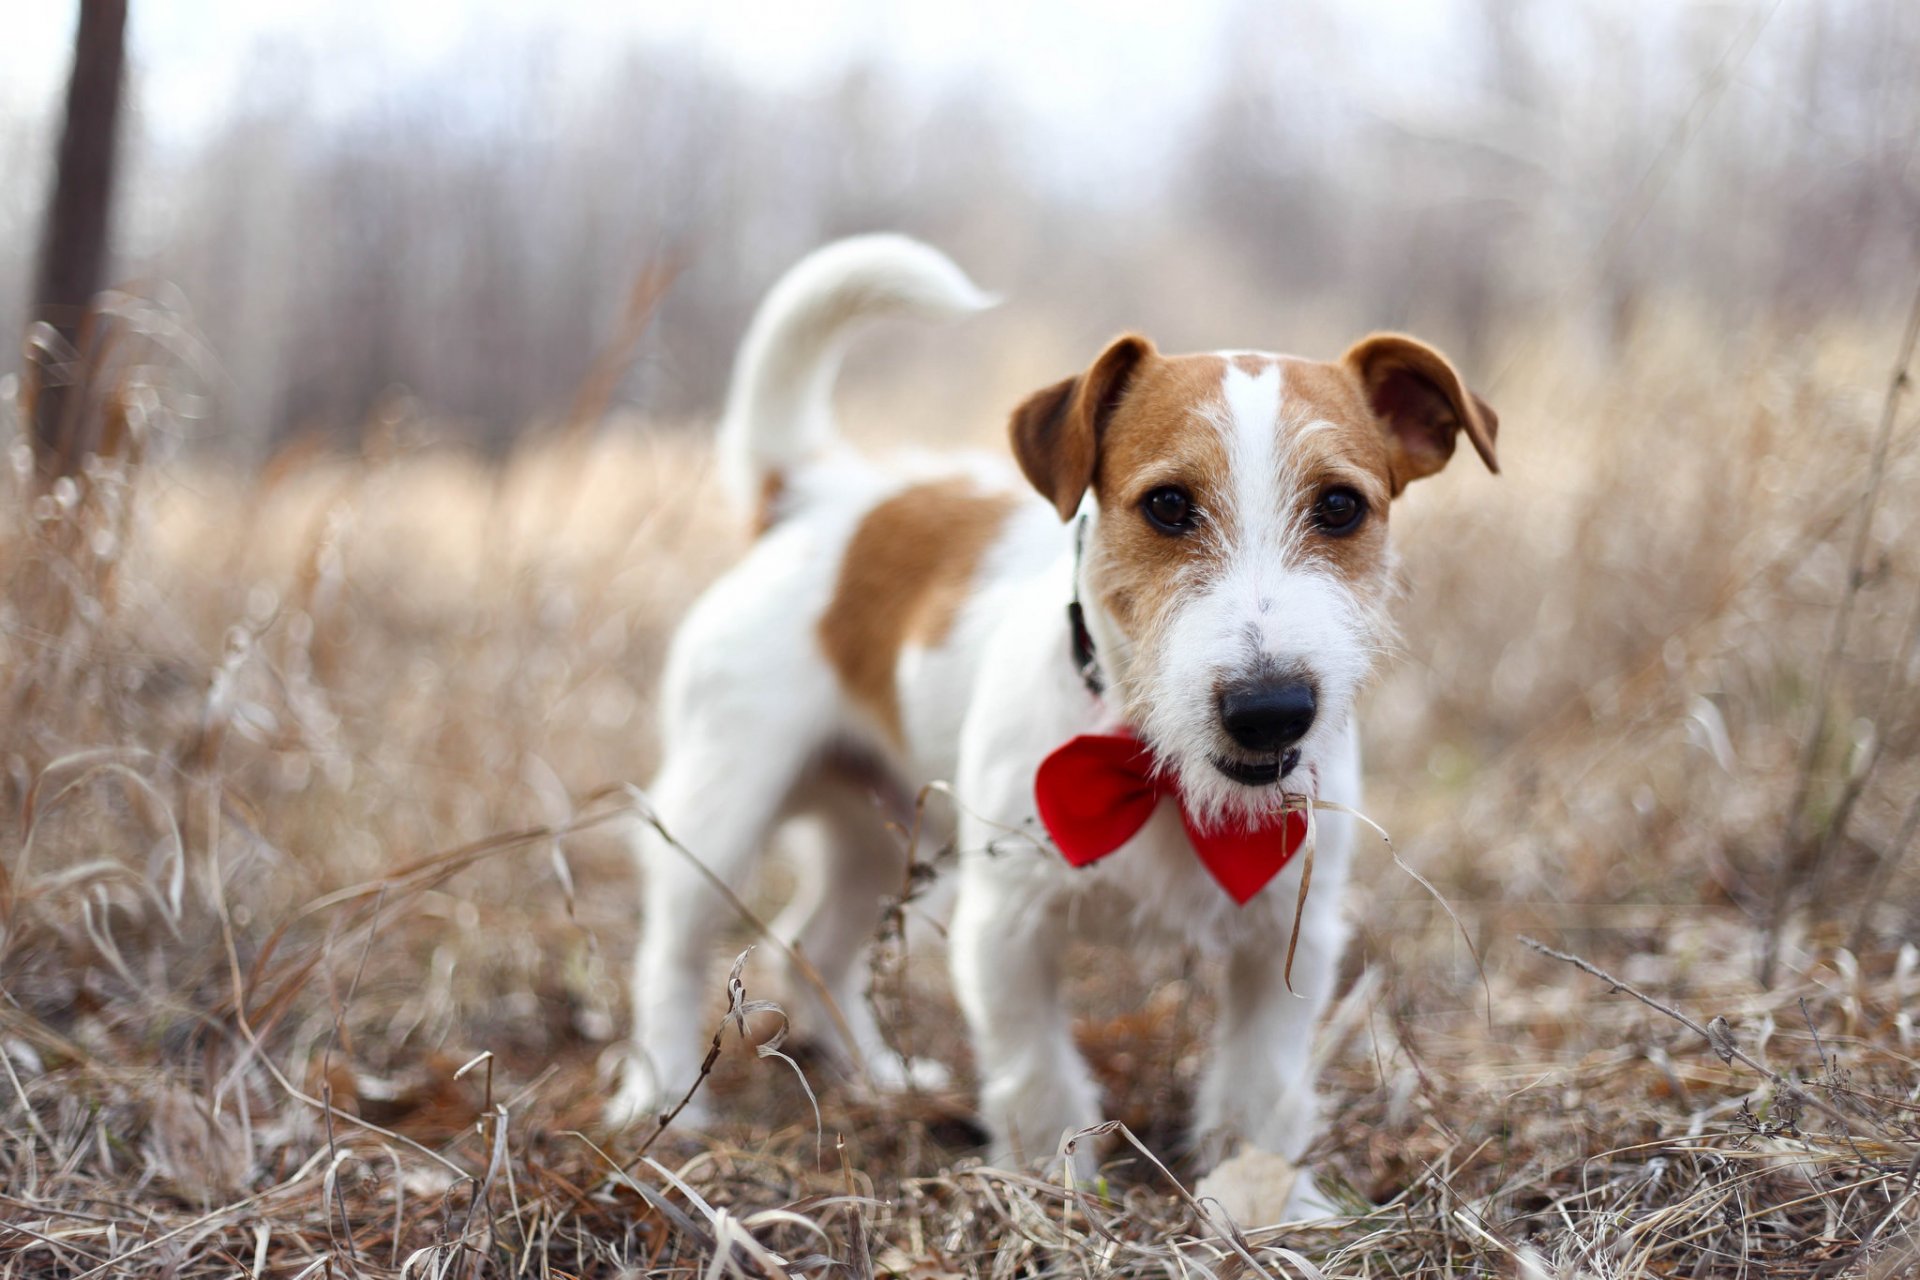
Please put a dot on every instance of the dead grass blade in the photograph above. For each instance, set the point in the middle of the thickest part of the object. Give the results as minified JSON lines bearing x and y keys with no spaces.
{"x":1794,"y":845}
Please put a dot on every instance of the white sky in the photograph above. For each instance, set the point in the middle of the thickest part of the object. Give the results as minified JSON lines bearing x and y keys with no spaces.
{"x":1065,"y":62}
{"x":1103,"y":88}
{"x":191,"y":54}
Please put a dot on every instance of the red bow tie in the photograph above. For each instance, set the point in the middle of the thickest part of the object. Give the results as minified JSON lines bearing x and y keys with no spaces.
{"x":1099,"y":789}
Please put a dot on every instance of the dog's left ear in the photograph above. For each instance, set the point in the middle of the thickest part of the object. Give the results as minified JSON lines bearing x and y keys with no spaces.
{"x":1056,"y":431}
{"x":1423,"y":404}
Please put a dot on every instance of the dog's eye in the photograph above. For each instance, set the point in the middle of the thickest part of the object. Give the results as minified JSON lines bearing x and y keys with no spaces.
{"x":1168,"y":509}
{"x":1339,"y":512}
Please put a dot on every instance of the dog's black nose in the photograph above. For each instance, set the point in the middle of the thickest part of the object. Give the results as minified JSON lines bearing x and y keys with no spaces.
{"x":1267,"y":715}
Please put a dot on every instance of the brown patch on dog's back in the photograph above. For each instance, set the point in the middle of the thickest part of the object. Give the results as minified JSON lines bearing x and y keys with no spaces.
{"x":908,"y":570}
{"x":773,"y":487}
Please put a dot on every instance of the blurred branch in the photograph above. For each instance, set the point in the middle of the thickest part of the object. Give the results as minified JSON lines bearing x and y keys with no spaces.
{"x":1795,"y":847}
{"x":73,"y":249}
{"x":611,"y":362}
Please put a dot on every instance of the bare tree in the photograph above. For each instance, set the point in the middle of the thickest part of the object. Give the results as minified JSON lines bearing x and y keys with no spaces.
{"x":73,"y":248}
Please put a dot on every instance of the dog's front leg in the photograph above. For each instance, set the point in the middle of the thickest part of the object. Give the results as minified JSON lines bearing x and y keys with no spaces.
{"x":1259,"y":1094}
{"x":1005,"y":948}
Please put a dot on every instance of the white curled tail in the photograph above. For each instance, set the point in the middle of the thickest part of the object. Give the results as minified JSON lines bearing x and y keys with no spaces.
{"x":779,"y":407}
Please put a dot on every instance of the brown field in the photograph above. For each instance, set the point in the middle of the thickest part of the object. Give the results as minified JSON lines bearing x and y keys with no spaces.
{"x":313,"y":927}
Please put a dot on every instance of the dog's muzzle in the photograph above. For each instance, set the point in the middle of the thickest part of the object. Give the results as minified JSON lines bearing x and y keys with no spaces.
{"x":1265,"y":718}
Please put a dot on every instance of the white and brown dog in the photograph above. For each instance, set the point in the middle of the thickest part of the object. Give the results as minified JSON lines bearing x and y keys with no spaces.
{"x":1158,"y":657}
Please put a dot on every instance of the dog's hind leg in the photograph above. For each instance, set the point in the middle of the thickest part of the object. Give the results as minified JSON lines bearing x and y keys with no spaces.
{"x":852,"y":862}
{"x":717,"y":799}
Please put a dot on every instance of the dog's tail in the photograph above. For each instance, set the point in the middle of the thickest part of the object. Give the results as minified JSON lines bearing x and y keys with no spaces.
{"x":779,"y":407}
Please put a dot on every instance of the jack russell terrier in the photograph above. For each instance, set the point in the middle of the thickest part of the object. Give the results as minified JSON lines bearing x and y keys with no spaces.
{"x":1138,"y":684}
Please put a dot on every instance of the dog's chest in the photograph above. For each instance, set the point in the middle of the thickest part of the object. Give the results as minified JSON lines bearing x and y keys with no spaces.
{"x":1155,"y":887}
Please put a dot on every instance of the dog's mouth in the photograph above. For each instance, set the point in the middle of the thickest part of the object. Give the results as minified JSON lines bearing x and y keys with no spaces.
{"x":1258,"y":773}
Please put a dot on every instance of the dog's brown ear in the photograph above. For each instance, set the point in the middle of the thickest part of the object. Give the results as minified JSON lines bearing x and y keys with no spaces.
{"x":1423,"y":403}
{"x":1056,"y":431}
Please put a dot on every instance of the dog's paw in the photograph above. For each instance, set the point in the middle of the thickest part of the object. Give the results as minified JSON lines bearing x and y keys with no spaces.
{"x":891,"y":1073}
{"x":638,"y":1102}
{"x":1309,"y":1203}
{"x":1031,"y":1116}
{"x":1258,"y":1189}
{"x":635,"y":1100}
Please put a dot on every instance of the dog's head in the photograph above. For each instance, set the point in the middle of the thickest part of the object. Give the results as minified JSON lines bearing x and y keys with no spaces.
{"x":1236,"y":565}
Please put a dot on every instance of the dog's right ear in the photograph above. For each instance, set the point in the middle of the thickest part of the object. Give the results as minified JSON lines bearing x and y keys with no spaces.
{"x":1422,"y":403}
{"x":1056,"y":432}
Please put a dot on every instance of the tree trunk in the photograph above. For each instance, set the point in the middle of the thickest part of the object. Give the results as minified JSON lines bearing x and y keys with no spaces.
{"x":73,"y":248}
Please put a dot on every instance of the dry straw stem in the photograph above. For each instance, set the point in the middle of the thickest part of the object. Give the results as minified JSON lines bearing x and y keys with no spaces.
{"x":1796,"y":849}
{"x":1862,"y":765}
{"x":1883,"y":874}
{"x":602,"y":379}
{"x":739,"y":1009}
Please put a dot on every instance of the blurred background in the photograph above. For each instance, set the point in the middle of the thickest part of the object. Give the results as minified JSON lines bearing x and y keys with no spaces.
{"x":455,"y":199}
{"x":332,"y":601}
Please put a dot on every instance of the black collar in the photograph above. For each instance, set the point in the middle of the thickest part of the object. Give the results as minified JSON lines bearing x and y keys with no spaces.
{"x":1084,"y":660}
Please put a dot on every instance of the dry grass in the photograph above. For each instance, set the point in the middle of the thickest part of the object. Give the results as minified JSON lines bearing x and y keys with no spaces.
{"x":313,"y":932}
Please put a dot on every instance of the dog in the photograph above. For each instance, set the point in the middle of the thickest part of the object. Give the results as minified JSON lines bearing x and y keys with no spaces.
{"x":1137,"y":670}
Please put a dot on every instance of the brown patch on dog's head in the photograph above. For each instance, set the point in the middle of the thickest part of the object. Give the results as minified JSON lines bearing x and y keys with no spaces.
{"x":1423,"y":403}
{"x":1137,"y":420}
{"x":1157,"y":436}
{"x":1168,"y":431}
{"x":1346,"y":448}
